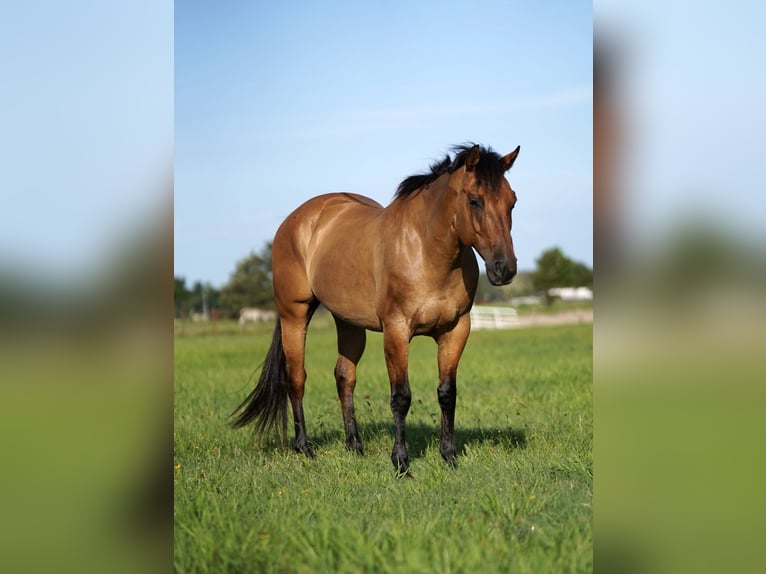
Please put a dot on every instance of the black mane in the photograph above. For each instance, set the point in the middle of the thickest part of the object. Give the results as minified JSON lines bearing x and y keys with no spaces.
{"x":489,"y":170}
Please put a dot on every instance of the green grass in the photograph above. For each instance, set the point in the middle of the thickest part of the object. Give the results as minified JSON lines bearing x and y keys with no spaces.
{"x":519,"y":500}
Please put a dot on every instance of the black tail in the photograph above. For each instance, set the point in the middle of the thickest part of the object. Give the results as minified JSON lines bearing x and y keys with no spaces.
{"x":267,"y":403}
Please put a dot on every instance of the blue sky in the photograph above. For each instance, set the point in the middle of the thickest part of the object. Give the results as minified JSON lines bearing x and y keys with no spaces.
{"x":278,"y":102}
{"x":86,"y":129}
{"x":694,"y":109}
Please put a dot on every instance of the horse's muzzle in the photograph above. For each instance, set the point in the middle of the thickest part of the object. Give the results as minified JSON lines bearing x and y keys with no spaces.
{"x":501,"y":271}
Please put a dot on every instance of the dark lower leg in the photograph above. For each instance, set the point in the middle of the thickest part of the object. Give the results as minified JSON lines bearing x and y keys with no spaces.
{"x":353,"y":440}
{"x":345,"y":381}
{"x":301,"y":443}
{"x":401,"y":397}
{"x":447,"y":393}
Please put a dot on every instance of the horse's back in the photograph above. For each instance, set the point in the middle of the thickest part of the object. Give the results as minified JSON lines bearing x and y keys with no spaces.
{"x":360,"y":199}
{"x":320,"y":213}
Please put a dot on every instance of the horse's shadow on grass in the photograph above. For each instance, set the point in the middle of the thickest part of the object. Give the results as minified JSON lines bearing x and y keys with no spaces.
{"x":420,"y":436}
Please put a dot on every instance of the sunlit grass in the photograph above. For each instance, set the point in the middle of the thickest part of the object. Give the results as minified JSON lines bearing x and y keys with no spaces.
{"x":520,"y":499}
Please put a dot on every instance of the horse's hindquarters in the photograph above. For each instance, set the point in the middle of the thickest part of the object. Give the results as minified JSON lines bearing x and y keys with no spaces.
{"x":327,"y":249}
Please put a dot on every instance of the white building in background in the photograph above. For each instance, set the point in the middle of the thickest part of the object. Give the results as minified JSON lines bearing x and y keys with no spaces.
{"x":253,"y":315}
{"x":571,"y":293}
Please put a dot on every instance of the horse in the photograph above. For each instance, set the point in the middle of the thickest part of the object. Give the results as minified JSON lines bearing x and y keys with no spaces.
{"x":406,"y":269}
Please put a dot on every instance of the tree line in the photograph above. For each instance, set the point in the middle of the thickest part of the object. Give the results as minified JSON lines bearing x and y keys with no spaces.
{"x":250,"y":285}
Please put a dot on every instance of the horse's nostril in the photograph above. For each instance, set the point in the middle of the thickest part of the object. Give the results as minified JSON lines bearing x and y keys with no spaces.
{"x":499,"y":265}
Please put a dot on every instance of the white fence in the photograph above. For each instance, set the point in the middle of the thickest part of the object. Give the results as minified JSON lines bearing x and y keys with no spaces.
{"x":494,"y":318}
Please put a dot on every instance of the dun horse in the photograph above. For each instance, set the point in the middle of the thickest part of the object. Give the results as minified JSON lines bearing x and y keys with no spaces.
{"x":406,"y":270}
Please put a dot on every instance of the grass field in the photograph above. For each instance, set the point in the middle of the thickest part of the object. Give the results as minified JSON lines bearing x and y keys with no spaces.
{"x":519,"y":500}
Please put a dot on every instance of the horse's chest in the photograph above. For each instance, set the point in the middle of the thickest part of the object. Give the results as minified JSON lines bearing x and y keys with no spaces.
{"x":439,"y":314}
{"x":430,"y":305}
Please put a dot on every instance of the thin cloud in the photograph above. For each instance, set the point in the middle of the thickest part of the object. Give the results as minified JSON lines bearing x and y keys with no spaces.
{"x":369,"y":120}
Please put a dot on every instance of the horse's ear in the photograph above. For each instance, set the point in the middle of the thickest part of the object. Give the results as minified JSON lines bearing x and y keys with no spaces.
{"x":510,"y":158}
{"x":472,"y":159}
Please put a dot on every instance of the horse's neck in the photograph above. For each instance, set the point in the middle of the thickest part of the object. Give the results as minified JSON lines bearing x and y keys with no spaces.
{"x":432,"y":211}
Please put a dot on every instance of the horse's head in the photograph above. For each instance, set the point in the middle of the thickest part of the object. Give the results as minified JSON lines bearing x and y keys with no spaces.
{"x":484,"y":205}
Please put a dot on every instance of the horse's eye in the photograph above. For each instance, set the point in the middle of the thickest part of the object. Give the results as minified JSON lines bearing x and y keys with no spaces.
{"x":475,"y":202}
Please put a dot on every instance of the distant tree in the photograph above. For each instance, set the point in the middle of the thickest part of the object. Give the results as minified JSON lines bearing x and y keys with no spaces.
{"x":554,"y":269}
{"x":204,"y":295}
{"x":582,"y":275}
{"x":181,"y":295}
{"x":250,"y":285}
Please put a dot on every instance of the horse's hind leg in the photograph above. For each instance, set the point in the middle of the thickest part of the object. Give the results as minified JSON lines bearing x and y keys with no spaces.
{"x":351,"y":341}
{"x":294,"y":325}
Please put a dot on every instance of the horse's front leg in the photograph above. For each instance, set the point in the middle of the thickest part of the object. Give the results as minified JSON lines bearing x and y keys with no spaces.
{"x":451,"y":345}
{"x":396,"y":343}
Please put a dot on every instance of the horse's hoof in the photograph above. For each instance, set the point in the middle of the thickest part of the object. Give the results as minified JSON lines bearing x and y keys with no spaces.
{"x":401,"y":464}
{"x":355,"y":445}
{"x":304,"y":449}
{"x":406,"y":474}
{"x":450,"y":458}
